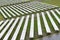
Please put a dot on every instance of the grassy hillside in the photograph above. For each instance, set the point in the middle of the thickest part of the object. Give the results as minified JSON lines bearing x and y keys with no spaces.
{"x":54,"y":2}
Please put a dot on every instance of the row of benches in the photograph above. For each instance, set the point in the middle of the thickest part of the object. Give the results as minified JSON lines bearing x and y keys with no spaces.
{"x":10,"y":2}
{"x":13,"y":22}
{"x":22,"y":9}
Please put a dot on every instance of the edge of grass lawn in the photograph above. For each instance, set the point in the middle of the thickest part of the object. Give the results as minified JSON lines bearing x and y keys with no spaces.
{"x":53,"y":2}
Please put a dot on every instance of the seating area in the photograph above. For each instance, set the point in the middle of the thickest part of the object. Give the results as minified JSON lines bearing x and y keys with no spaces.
{"x":16,"y":23}
{"x":28,"y":21}
{"x":9,"y":2}
{"x":26,"y":8}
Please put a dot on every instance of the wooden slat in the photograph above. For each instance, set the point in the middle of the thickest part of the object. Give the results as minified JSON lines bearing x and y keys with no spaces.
{"x":17,"y":29}
{"x":52,"y":21}
{"x":39,"y":25}
{"x":3,"y":14}
{"x":31,"y":35}
{"x":14,"y":11}
{"x":57,"y":11}
{"x":25,"y":9}
{"x":24,"y":29}
{"x":45,"y":23}
{"x":11,"y":29}
{"x":57,"y":18}
{"x":10,"y":11}
{"x":22,"y":10}
{"x":6,"y":27}
{"x":3,"y":24}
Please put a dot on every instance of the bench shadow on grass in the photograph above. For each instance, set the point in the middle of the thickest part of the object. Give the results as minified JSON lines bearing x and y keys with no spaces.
{"x":1,"y":17}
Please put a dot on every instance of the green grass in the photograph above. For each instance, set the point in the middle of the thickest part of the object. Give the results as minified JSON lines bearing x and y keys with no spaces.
{"x":53,"y":2}
{"x":1,"y":17}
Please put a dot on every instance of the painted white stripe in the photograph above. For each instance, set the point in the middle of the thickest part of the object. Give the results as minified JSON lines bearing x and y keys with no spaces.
{"x":4,"y":30}
{"x":58,"y":19}
{"x":6,"y":12}
{"x":52,"y":21}
{"x":31,"y":35}
{"x":3,"y":24}
{"x":3,"y":14}
{"x":57,"y":11}
{"x":39,"y":25}
{"x":45,"y":23}
{"x":17,"y":29}
{"x":11,"y":29}
{"x":9,"y":11}
{"x":25,"y":28}
{"x":14,"y":11}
